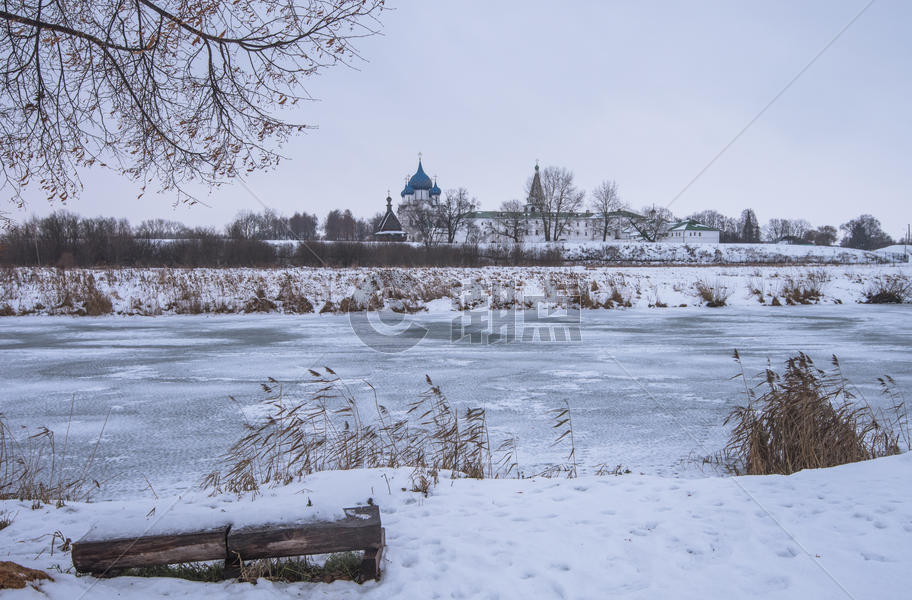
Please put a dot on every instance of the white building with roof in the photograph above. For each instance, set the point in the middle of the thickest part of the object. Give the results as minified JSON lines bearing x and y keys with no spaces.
{"x":690,"y":232}
{"x":528,"y":225}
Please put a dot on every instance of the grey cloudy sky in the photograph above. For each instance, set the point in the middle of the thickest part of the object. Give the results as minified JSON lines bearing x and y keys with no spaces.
{"x":645,"y":93}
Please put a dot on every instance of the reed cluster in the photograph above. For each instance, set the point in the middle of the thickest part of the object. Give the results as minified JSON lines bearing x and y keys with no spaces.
{"x":807,"y":418}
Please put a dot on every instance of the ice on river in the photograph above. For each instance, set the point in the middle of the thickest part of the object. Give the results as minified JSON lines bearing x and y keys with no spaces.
{"x":648,"y":389}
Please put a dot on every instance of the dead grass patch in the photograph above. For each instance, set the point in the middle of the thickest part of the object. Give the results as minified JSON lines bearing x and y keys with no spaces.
{"x":15,"y":577}
{"x":889,"y":289}
{"x":713,"y":293}
{"x":804,"y":289}
{"x":807,"y":418}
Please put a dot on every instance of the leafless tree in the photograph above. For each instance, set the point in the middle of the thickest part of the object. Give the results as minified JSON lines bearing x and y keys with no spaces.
{"x":455,"y":207}
{"x":729,"y":229}
{"x":340,"y":225}
{"x":606,"y":202}
{"x":654,"y":223}
{"x":513,"y":223}
{"x":825,"y":235}
{"x":175,"y":90}
{"x":246,"y":226}
{"x":160,"y":229}
{"x":557,"y":202}
{"x":864,"y":232}
{"x":303,"y":226}
{"x":421,"y":219}
{"x":778,"y":229}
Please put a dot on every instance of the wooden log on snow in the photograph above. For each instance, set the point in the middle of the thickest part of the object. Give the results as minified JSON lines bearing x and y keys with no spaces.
{"x":359,"y":530}
{"x":105,"y":556}
{"x":370,"y":562}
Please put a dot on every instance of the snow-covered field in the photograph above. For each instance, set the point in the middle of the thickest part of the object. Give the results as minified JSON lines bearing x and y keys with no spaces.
{"x":844,"y":532}
{"x":42,"y":291}
{"x":619,"y":251}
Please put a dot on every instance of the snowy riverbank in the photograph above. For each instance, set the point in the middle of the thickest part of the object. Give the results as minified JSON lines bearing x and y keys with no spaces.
{"x":844,"y":532}
{"x":45,"y":291}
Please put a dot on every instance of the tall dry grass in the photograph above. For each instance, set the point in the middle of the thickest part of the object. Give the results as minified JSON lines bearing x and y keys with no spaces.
{"x":331,"y":428}
{"x":328,"y":430}
{"x":807,"y":418}
{"x":33,"y":467}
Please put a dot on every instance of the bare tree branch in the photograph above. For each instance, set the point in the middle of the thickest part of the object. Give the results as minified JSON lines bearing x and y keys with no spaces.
{"x":177,"y":91}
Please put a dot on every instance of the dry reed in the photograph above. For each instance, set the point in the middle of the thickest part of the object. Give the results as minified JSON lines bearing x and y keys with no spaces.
{"x":326,"y":431}
{"x":807,"y":418}
{"x":35,"y":469}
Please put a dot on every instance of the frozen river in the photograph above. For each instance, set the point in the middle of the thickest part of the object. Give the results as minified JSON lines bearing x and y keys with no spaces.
{"x":649,"y":389}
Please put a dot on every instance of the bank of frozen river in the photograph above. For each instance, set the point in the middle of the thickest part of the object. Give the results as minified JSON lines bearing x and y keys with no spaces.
{"x":152,"y":292}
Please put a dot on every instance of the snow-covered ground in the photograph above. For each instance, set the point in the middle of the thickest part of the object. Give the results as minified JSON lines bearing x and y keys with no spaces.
{"x":26,"y":291}
{"x":844,"y":532}
{"x":648,"y":387}
{"x":896,"y":252}
{"x":621,"y":251}
{"x":639,"y":252}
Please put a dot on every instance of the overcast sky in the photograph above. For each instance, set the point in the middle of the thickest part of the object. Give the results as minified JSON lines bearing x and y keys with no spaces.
{"x":645,"y":93}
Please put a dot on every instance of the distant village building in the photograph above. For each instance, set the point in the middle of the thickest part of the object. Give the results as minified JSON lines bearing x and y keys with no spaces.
{"x":690,"y":232}
{"x":390,"y":230}
{"x":528,"y":226}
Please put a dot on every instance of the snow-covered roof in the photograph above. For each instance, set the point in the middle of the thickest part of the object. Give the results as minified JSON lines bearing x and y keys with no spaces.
{"x":691,"y":225}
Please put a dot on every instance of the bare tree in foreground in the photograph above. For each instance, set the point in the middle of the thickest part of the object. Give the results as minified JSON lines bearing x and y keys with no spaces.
{"x":178,"y":90}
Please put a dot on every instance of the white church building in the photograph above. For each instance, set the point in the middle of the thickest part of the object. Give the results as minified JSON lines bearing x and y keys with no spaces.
{"x":528,"y":225}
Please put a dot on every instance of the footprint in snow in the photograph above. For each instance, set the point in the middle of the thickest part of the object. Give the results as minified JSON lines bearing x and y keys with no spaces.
{"x":875,"y":557}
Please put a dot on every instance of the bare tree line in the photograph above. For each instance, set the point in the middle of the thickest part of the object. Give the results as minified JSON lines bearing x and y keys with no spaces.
{"x":67,"y":240}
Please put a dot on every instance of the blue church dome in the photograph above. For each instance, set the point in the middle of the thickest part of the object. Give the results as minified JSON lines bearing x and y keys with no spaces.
{"x":420,"y":180}
{"x":407,"y":191}
{"x":435,"y":191}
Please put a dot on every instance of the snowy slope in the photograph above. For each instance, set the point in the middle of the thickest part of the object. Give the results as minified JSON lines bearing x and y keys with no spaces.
{"x":844,"y":532}
{"x":638,"y":252}
{"x":44,"y":291}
